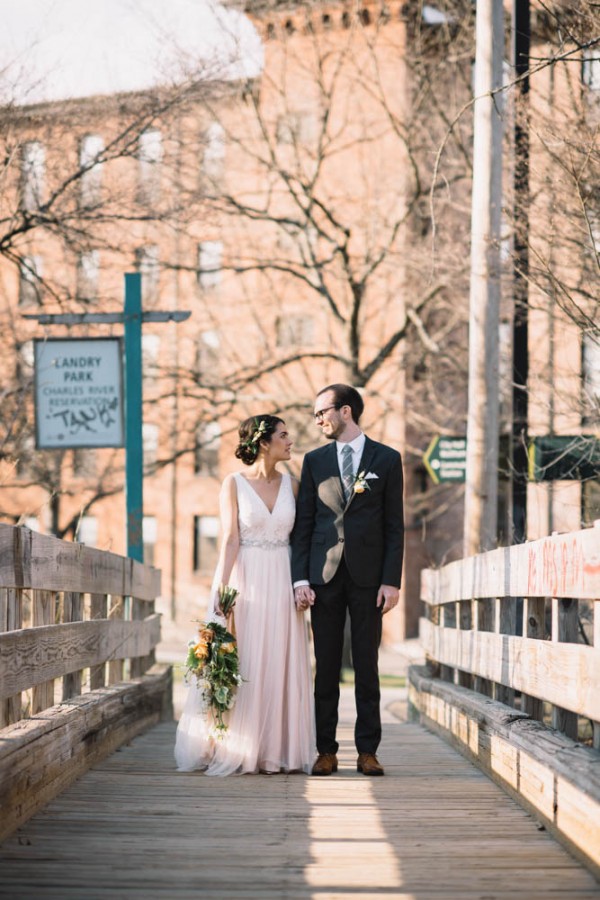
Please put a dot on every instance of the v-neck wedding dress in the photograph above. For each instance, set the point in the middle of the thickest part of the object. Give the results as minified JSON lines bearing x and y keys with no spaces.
{"x":271,"y":726}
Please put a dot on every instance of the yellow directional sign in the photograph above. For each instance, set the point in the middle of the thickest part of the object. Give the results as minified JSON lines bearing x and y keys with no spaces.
{"x":446,"y":458}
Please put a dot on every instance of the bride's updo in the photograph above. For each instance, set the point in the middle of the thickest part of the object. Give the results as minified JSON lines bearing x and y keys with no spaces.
{"x":252,"y":431}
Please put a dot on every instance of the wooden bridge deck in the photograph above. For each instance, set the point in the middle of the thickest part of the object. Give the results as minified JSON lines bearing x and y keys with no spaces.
{"x":434,"y":827}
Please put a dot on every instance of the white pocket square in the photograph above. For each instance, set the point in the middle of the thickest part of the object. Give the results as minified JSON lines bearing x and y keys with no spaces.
{"x":371,"y":475}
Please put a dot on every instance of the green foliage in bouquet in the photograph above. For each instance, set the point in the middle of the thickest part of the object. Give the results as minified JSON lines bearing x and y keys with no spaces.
{"x":227,"y":597}
{"x":214,"y":660}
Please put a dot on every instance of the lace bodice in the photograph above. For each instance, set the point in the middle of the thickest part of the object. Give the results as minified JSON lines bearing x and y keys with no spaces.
{"x":259,"y":527}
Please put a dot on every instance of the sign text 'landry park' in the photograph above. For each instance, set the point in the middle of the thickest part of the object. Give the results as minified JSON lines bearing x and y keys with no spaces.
{"x":78,"y":393}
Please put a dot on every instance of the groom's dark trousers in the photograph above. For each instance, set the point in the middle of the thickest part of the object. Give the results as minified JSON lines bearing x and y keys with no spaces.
{"x":346,"y":549}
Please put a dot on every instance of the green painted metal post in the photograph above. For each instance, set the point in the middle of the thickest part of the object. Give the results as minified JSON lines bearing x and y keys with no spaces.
{"x":134,"y":460}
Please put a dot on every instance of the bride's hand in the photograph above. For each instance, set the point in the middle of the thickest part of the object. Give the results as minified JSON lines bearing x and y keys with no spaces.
{"x":304,"y":597}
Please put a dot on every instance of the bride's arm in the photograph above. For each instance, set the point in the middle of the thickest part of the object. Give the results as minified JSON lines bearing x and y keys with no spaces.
{"x":230,"y":534}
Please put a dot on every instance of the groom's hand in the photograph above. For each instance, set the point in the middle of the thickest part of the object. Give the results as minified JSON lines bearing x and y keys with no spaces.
{"x":387,"y":597}
{"x":304,"y":596}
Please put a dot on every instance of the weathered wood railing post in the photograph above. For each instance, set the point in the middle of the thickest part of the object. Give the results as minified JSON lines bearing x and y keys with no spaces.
{"x":72,"y":612}
{"x":534,"y":627}
{"x":44,"y":613}
{"x":56,"y":625}
{"x":555,"y":772}
{"x":98,"y":610}
{"x":565,"y":629}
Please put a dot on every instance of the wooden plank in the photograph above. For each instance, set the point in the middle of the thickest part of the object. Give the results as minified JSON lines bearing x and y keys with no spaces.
{"x":565,"y":627}
{"x":116,"y":613}
{"x":98,"y":610}
{"x":336,"y":838}
{"x":34,"y":655}
{"x":43,"y":562}
{"x":39,"y":757}
{"x":534,"y":627}
{"x":566,"y":565}
{"x":44,"y":611}
{"x":539,"y":668}
{"x":530,"y":760}
{"x":505,"y":622}
{"x":72,"y":612}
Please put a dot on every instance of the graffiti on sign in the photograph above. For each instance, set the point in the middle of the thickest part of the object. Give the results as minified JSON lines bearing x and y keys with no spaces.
{"x":78,"y":393}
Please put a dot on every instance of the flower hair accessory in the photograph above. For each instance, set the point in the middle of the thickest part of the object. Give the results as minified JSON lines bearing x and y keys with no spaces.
{"x":258,"y":434}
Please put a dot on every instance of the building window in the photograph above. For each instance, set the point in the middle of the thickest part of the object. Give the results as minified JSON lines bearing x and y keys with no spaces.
{"x":146,"y":261}
{"x":90,"y":149}
{"x":206,"y":535}
{"x":149,"y":535}
{"x":87,"y":531}
{"x":591,"y":379}
{"x":295,"y":331}
{"x":150,"y":351}
{"x":210,"y":254}
{"x":150,"y":154}
{"x":208,"y":357}
{"x":88,"y":270}
{"x":213,"y":158}
{"x":30,"y":280}
{"x":150,"y":443}
{"x":208,"y":445}
{"x":33,"y":175}
{"x":590,"y":69}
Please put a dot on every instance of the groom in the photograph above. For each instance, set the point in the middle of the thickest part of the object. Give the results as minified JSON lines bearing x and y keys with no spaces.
{"x":347,"y":549}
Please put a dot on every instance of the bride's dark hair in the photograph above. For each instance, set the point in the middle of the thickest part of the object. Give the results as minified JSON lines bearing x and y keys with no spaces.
{"x":252,"y":431}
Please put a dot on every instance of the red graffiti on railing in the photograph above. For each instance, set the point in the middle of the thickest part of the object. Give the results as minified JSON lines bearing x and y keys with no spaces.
{"x":557,"y":568}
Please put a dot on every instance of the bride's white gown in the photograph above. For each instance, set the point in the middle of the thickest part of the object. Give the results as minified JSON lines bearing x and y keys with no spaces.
{"x":271,"y":726}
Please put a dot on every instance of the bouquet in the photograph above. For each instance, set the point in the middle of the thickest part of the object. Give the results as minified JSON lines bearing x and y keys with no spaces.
{"x":227,"y":597}
{"x":213,"y":659}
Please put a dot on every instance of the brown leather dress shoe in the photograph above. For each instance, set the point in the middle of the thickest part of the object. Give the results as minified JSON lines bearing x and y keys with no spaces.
{"x":368,"y":764}
{"x":325,"y":764}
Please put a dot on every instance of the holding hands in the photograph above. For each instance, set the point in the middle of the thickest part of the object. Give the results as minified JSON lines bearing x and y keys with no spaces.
{"x":304,"y":596}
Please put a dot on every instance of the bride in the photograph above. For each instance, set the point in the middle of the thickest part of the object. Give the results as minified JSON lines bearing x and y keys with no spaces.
{"x":271,"y":726}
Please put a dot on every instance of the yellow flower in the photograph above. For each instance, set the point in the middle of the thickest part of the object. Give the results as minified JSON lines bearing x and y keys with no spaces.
{"x":206,"y":634}
{"x":228,"y":647}
{"x":201,"y":650}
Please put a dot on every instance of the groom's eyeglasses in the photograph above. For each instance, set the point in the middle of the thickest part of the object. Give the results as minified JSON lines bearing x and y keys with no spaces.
{"x":319,"y":415}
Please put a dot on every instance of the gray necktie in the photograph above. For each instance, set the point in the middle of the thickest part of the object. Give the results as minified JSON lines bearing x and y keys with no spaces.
{"x":347,"y":471}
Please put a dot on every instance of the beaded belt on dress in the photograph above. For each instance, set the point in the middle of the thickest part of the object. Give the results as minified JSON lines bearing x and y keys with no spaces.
{"x":265,"y":545}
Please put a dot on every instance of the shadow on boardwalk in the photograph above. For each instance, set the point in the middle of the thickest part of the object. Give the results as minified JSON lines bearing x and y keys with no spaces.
{"x":434,"y":827}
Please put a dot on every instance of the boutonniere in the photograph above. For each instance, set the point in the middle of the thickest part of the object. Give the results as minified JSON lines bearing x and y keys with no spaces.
{"x":360,"y":483}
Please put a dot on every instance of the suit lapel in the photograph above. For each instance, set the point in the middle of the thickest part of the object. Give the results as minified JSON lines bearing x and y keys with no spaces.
{"x":329,"y":474}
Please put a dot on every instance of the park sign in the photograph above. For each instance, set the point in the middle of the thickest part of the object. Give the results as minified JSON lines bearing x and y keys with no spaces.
{"x":446,"y":458}
{"x":78,"y":393}
{"x":564,"y":457}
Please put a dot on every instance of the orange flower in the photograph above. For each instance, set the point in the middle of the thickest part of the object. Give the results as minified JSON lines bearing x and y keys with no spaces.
{"x":201,"y":650}
{"x":228,"y":647}
{"x":206,"y":634}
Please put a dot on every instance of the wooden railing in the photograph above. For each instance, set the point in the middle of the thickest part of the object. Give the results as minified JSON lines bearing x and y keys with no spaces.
{"x":512,"y":640}
{"x":78,"y":631}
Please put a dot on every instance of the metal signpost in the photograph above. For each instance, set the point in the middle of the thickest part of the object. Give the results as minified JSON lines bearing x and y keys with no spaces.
{"x":78,"y":397}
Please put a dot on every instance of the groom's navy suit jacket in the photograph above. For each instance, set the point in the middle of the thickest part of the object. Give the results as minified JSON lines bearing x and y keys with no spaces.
{"x":367,"y":530}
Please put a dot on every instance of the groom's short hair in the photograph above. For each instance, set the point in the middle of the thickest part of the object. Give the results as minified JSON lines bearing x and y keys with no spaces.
{"x":346,"y":395}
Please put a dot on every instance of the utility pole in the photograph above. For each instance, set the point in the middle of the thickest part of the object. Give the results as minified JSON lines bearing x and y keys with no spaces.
{"x":520,"y":48}
{"x":481,"y":489}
